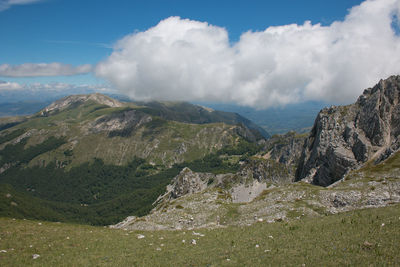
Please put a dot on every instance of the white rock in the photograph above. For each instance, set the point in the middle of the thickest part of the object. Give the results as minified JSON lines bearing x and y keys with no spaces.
{"x":35,"y":256}
{"x":139,"y":236}
{"x":199,"y":234}
{"x":257,"y":246}
{"x":271,"y":237}
{"x":183,"y":241}
{"x":193,"y":242}
{"x":3,"y":251}
{"x":260,"y":220}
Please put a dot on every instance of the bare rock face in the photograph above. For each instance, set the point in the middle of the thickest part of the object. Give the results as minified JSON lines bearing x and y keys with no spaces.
{"x":265,"y":171}
{"x":120,"y":124}
{"x":285,"y":151}
{"x":345,"y":137}
{"x":69,"y":101}
{"x":187,"y":182}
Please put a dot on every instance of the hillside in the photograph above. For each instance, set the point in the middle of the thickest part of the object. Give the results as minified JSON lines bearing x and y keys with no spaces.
{"x":93,"y":159}
{"x":264,"y":186}
{"x":200,"y":200}
{"x":356,"y":238}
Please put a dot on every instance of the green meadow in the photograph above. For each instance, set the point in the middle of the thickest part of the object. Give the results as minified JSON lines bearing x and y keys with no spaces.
{"x":368,"y":237}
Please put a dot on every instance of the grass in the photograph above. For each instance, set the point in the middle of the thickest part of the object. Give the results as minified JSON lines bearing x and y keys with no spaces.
{"x":353,"y":238}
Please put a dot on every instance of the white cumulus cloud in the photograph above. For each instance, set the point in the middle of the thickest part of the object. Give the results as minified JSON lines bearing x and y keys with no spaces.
{"x":182,"y":59}
{"x":42,"y":69}
{"x":6,"y":4}
{"x":10,"y":86}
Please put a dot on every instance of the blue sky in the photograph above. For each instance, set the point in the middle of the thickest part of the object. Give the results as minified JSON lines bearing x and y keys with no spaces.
{"x":82,"y":31}
{"x":79,"y":32}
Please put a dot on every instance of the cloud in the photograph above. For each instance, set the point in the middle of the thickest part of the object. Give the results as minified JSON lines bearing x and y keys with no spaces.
{"x":182,"y":59}
{"x":6,"y":4}
{"x":54,"y":87}
{"x":9,"y":86}
{"x":42,"y":69}
{"x":15,"y":92}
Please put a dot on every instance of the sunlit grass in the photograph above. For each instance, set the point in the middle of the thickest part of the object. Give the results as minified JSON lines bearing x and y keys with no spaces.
{"x":363,"y":238}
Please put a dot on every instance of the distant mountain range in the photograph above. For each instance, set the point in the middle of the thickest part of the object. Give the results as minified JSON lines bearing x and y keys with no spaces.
{"x":293,"y":117}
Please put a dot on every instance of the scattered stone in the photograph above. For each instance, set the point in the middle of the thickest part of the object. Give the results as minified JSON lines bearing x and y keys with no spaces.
{"x":199,"y":234}
{"x":8,"y":195}
{"x":193,"y":242}
{"x":13,"y":204}
{"x":39,"y":223}
{"x":228,"y":259}
{"x":35,"y":256}
{"x":67,"y":237}
{"x":161,"y":238}
{"x":382,"y":224}
{"x":260,"y":220}
{"x":271,"y":237}
{"x":162,"y":245}
{"x":3,"y":251}
{"x":30,"y":246}
{"x":367,"y":245}
{"x":257,"y":246}
{"x":267,"y":250}
{"x":158,"y":249}
{"x":139,"y":236}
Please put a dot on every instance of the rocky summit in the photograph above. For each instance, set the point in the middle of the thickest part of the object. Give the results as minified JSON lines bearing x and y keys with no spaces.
{"x":345,"y":137}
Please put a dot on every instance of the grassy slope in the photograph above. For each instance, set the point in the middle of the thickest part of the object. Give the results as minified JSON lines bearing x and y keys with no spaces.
{"x":363,"y":237}
{"x":157,"y":144}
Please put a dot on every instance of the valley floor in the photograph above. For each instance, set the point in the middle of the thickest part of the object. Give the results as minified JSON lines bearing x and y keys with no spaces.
{"x":361,"y":237}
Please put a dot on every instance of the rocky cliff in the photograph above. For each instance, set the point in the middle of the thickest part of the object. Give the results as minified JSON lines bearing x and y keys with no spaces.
{"x":346,"y":137}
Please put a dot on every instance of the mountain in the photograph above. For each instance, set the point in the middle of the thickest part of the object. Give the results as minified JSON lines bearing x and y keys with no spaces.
{"x":352,"y":150}
{"x":346,"y":137}
{"x":190,"y":113}
{"x":297,"y":117}
{"x":94,"y":159}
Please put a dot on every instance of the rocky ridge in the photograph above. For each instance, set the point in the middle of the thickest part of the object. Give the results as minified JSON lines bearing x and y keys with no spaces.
{"x":72,"y":100}
{"x":345,"y":137}
{"x":214,"y":206}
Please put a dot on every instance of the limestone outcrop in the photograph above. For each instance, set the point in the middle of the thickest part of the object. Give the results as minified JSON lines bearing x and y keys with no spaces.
{"x":346,"y":137}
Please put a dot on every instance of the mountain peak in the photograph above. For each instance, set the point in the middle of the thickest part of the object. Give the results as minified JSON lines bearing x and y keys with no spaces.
{"x":346,"y":137}
{"x":68,"y":101}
